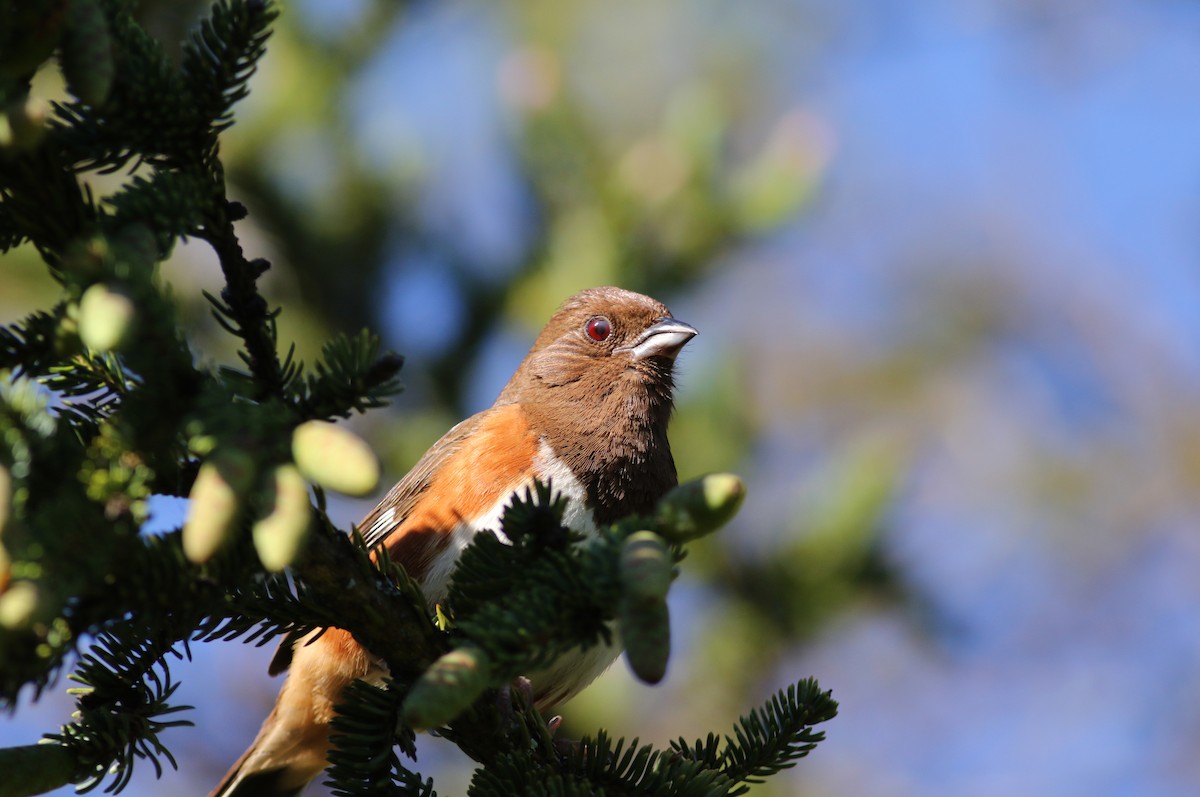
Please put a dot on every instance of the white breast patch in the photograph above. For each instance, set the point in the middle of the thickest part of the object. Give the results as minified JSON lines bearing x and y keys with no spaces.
{"x":575,"y":670}
{"x":546,"y":467}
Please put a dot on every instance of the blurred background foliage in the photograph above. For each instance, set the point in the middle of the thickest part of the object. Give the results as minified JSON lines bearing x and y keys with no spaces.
{"x":943,"y":261}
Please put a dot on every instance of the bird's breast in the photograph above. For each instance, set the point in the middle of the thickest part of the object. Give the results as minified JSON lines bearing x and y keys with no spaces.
{"x":548,"y":468}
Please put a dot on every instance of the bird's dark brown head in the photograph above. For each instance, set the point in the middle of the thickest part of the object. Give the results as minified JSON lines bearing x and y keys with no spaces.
{"x":601,"y":336}
{"x":597,"y":385}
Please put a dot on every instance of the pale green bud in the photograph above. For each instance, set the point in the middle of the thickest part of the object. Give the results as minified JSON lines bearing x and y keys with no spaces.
{"x":18,"y":605}
{"x":23,"y":124}
{"x":280,"y":535}
{"x":646,"y":632}
{"x":213,"y":503}
{"x":105,"y":317}
{"x":699,"y":507}
{"x":334,"y":457}
{"x":447,"y":688}
{"x":5,"y":497}
{"x":87,"y":52}
{"x":646,"y":567}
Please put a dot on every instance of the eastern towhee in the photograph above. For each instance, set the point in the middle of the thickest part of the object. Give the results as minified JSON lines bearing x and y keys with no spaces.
{"x":587,"y":410}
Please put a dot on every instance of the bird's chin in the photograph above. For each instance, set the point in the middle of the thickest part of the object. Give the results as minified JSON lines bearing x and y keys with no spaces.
{"x":654,"y":364}
{"x":656,"y":374}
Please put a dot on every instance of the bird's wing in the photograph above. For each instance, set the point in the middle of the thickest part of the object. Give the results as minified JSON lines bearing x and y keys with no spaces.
{"x":392,"y":511}
{"x":396,"y":506}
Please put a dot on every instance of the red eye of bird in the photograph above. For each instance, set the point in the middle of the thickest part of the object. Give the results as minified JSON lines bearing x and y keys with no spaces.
{"x":599,"y":328}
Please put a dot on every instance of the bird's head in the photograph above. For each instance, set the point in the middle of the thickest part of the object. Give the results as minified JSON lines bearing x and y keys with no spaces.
{"x":600,"y":339}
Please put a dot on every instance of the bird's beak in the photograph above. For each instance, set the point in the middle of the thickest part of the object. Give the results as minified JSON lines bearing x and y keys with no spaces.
{"x":664,"y":339}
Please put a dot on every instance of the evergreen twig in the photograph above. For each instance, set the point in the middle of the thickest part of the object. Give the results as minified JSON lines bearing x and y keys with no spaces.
{"x":102,"y":404}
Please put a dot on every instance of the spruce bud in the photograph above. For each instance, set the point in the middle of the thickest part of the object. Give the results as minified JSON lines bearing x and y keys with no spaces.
{"x":334,"y":457}
{"x":213,"y":503}
{"x":646,"y":567}
{"x":279,"y":536}
{"x":646,"y":632}
{"x":447,"y":688}
{"x":87,"y":52}
{"x":699,"y":507}
{"x":19,"y":605}
{"x":105,"y":317}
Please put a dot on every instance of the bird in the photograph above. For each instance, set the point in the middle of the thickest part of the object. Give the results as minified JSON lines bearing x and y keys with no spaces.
{"x":587,"y":411}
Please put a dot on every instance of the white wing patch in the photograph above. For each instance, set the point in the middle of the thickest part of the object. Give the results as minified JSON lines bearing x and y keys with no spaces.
{"x":381,"y":523}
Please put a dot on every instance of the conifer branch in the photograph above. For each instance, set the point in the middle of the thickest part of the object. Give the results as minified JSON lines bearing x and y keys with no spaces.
{"x":222,"y":55}
{"x":385,"y":611}
{"x":134,"y":415}
{"x":351,"y":376}
{"x":36,"y":769}
{"x":32,"y":344}
{"x":769,"y":739}
{"x":42,"y":202}
{"x":363,"y":762}
{"x":122,"y":708}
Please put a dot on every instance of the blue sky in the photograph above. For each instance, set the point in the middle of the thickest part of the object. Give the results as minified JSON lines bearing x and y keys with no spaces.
{"x":1049,"y":150}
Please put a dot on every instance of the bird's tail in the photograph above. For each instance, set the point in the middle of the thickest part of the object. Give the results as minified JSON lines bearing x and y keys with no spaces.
{"x":254,"y":774}
{"x":279,"y":763}
{"x":292,"y":746}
